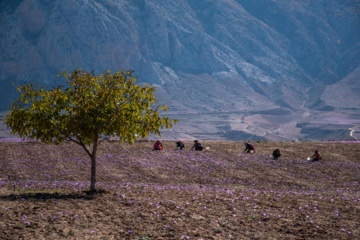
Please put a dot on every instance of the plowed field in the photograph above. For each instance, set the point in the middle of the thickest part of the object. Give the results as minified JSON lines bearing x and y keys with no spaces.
{"x":219,"y":193}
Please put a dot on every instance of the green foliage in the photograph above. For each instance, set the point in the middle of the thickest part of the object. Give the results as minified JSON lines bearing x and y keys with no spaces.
{"x":108,"y":104}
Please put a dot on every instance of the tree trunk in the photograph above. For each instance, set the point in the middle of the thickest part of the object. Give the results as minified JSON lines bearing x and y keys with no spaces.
{"x":93,"y":174}
{"x":93,"y":165}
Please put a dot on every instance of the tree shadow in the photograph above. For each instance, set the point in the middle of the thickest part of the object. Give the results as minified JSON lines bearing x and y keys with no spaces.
{"x":84,"y":195}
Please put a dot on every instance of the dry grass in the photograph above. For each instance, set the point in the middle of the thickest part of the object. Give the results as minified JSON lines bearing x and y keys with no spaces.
{"x":171,"y":194}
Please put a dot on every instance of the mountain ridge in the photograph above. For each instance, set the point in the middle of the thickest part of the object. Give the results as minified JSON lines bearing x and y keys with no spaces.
{"x":212,"y":58}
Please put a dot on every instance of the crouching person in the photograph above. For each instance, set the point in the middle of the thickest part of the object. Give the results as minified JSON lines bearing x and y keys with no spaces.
{"x":249,"y":148}
{"x":158,"y":145}
{"x":315,"y":157}
{"x":180,"y":145}
{"x":276,"y":154}
{"x":197,"y":146}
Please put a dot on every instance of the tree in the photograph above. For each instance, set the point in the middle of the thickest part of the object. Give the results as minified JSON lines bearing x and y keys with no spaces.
{"x":109,"y":105}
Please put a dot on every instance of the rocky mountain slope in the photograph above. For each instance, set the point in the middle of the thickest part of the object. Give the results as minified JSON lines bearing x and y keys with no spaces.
{"x":227,"y":69}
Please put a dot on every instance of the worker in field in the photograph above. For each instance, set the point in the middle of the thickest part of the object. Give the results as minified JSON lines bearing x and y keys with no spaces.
{"x":276,"y":154}
{"x":197,"y":146}
{"x":158,"y":145}
{"x":180,"y":145}
{"x":315,"y":157}
{"x":249,"y":148}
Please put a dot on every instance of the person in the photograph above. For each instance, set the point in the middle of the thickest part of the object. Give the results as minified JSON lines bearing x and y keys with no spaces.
{"x":316,"y":156}
{"x":249,"y":148}
{"x":158,"y":145}
{"x":276,"y":154}
{"x":180,"y":145}
{"x":197,"y":146}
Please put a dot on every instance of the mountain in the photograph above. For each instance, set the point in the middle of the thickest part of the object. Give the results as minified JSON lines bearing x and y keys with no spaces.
{"x":228,"y":69}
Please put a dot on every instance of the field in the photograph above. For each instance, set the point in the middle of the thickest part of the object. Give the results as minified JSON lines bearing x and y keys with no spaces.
{"x":219,"y":193}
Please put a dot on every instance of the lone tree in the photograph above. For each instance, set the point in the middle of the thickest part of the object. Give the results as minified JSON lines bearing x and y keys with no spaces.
{"x":110,"y":105}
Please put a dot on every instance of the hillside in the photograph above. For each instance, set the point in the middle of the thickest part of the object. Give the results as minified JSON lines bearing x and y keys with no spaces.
{"x":252,"y":69}
{"x":219,"y":193}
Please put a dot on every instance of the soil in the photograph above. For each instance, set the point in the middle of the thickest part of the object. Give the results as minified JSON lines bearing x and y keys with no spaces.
{"x":218,"y":193}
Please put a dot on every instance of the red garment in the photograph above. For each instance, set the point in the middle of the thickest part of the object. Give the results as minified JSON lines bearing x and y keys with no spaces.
{"x":158,"y":145}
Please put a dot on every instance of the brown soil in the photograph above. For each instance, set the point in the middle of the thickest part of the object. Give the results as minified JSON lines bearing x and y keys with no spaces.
{"x":219,"y":193}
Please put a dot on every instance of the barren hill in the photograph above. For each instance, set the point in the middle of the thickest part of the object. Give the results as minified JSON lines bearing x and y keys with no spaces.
{"x":228,"y":69}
